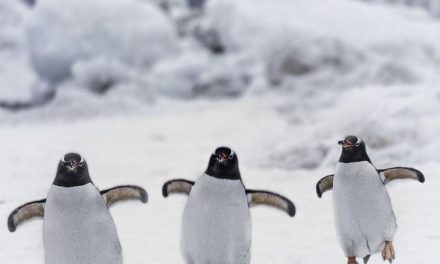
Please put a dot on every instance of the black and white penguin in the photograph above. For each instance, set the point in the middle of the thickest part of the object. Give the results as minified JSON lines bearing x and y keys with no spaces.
{"x":77,"y":227}
{"x":216,"y":224}
{"x":364,"y":217}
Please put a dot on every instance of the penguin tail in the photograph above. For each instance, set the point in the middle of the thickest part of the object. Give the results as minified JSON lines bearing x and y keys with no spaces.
{"x":366,"y":258}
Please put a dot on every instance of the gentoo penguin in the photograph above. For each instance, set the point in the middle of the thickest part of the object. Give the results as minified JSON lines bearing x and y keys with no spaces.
{"x":364,"y":217}
{"x":216,"y":223}
{"x":77,"y":227}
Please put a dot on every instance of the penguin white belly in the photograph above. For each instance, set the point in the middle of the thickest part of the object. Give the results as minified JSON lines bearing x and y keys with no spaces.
{"x":78,"y":228}
{"x":216,"y":224}
{"x":363,"y":213}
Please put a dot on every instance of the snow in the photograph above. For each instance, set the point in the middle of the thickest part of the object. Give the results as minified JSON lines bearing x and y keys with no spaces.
{"x":13,"y":54}
{"x":63,"y":33}
{"x":152,"y":148}
{"x":431,"y":6}
{"x":295,"y":77}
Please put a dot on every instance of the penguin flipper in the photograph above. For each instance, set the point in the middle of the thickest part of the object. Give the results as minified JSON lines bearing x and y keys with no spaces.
{"x":177,"y":186}
{"x":391,"y":174}
{"x":257,"y":197}
{"x":124,"y":192}
{"x":24,"y":213}
{"x":324,"y":184}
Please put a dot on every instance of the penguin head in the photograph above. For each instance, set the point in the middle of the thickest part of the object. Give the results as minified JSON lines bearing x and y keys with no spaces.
{"x":223,"y":164}
{"x":72,"y":171}
{"x":353,"y":150}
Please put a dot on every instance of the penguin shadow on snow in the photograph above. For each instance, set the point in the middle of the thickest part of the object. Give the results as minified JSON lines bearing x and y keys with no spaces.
{"x":364,"y":217}
{"x":216,"y":224}
{"x":78,"y":227}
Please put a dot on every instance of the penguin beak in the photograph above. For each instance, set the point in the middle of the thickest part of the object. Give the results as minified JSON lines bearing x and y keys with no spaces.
{"x":72,"y":166}
{"x":346,"y":144}
{"x":222,"y":158}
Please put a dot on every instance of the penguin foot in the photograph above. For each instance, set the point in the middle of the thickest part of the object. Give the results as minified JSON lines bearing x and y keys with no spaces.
{"x":388,"y":252}
{"x":352,"y":260}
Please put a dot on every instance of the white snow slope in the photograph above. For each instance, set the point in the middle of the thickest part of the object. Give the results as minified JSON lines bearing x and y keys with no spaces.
{"x":297,"y":76}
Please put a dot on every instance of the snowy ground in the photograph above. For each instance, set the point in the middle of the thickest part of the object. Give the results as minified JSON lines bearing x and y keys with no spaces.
{"x":297,"y":76}
{"x":151,"y":148}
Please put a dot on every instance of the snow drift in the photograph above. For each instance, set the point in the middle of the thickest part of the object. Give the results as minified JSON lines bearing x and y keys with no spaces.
{"x":329,"y":69}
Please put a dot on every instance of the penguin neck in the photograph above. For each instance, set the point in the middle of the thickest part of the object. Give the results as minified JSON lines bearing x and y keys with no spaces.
{"x":224,"y":173}
{"x":358,"y":157}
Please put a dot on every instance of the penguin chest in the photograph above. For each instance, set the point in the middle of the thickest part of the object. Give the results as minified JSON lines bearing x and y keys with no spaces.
{"x":358,"y":184}
{"x":216,"y":224}
{"x":78,"y":227}
{"x":363,"y":211}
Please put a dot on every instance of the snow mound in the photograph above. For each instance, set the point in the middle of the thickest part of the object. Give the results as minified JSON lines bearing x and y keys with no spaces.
{"x":328,"y":69}
{"x":230,"y":47}
{"x":61,"y":33}
{"x":315,"y":43}
{"x":204,"y":75}
{"x":13,"y":55}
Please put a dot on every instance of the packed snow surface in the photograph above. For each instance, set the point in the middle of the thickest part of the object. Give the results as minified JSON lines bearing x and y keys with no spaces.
{"x":146,"y":95}
{"x":150,"y":149}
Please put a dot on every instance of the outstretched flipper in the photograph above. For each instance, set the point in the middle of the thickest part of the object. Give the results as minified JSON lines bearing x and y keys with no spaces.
{"x":324,"y":184}
{"x":25,"y":212}
{"x":256,"y":197}
{"x":177,"y":186}
{"x":388,"y":175}
{"x":124,"y":192}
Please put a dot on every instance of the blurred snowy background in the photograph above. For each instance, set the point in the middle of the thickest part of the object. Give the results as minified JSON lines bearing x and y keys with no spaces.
{"x":147,"y":89}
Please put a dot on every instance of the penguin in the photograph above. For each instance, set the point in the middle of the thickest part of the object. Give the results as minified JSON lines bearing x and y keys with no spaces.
{"x":216,"y":222}
{"x":77,"y":225}
{"x":364,"y":216}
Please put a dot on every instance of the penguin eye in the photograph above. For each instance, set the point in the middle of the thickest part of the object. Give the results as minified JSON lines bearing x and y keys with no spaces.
{"x":357,"y":144}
